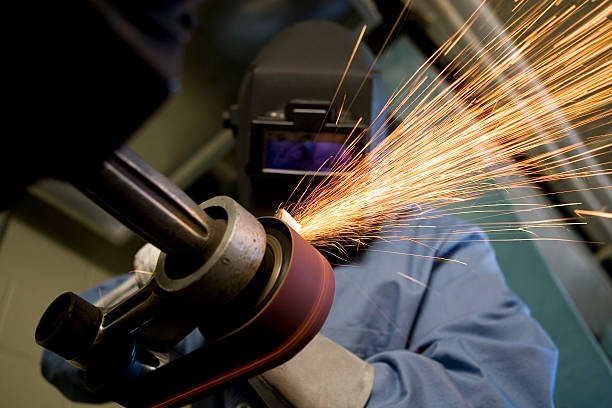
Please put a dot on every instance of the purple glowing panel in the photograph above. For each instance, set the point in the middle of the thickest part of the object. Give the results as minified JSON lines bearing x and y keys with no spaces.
{"x":303,"y":152}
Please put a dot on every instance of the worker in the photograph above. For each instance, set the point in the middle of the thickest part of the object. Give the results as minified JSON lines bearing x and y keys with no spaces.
{"x":411,"y":325}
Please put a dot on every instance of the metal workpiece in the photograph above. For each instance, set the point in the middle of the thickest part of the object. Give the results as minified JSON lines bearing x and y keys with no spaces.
{"x":136,"y":282}
{"x":228,"y":268}
{"x":151,"y":205}
{"x":297,"y":286}
{"x":257,"y":293}
{"x":69,"y":326}
{"x":262,"y":285}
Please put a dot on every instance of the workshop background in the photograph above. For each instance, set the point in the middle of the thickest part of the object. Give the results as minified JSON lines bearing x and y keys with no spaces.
{"x":56,"y":240}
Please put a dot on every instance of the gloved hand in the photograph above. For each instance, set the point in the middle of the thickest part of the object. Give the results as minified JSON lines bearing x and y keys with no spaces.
{"x":323,"y":374}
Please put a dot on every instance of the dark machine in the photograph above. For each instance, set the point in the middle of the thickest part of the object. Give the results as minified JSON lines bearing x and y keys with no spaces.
{"x":254,"y":288}
{"x":260,"y":295}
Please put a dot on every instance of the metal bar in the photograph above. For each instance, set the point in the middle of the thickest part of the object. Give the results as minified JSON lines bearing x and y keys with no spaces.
{"x":148,"y":203}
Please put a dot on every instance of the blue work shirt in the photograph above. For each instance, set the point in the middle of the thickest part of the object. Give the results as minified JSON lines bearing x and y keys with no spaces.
{"x":434,"y":317}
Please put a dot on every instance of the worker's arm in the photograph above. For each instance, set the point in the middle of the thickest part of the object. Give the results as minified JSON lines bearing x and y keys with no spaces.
{"x":472,"y":343}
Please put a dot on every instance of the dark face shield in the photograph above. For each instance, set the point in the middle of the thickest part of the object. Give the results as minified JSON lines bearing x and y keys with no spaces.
{"x":306,"y":139}
{"x":293,"y":120}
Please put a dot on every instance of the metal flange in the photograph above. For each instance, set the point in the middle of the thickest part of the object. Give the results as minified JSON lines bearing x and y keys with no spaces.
{"x":240,"y":244}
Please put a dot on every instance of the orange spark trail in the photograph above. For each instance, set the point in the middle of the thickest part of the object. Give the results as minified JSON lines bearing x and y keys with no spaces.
{"x":139,"y":271}
{"x":418,"y":282}
{"x":346,"y":69}
{"x":485,"y":117}
{"x":435,"y":258}
{"x":594,"y":213}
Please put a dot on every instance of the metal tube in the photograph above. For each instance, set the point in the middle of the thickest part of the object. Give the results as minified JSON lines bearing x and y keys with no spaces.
{"x":148,"y":203}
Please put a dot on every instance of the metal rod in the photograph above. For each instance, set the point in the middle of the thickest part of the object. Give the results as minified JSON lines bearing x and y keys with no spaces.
{"x":148,"y":203}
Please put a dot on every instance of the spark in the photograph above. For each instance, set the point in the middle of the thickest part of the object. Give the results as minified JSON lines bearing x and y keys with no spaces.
{"x":346,"y":69}
{"x":396,"y":326}
{"x":139,"y":271}
{"x":340,"y":110}
{"x":435,"y":258}
{"x":593,"y":213}
{"x":380,"y":51}
{"x":484,"y":118}
{"x":418,"y":282}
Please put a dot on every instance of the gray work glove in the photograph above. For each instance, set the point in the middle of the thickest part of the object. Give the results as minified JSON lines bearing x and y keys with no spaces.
{"x":323,"y":374}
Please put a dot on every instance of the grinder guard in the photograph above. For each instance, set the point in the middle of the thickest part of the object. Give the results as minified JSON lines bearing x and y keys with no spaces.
{"x":256,"y":311}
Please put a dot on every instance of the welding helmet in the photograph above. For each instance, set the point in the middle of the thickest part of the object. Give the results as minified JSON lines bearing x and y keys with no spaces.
{"x":292,"y":119}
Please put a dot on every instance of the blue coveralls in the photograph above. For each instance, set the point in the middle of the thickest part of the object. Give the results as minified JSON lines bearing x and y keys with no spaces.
{"x":457,"y":337}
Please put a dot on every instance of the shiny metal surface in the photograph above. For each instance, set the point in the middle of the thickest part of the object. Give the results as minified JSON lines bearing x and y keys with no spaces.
{"x":235,"y":257}
{"x":277,"y":251}
{"x":151,"y":205}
